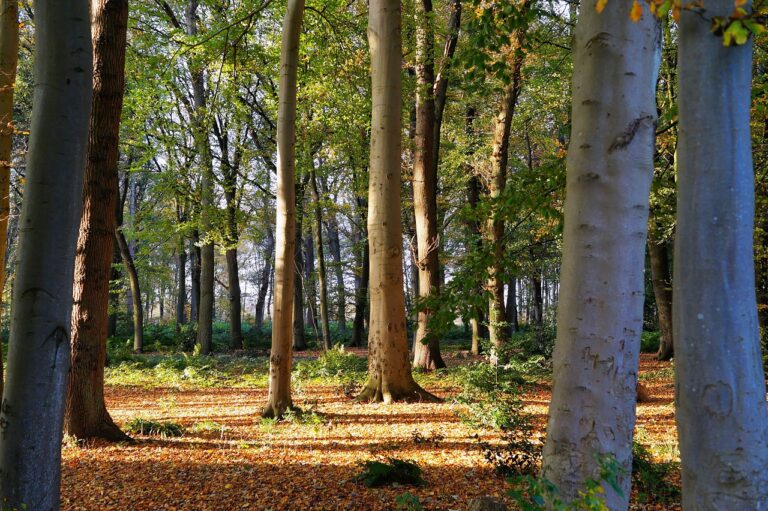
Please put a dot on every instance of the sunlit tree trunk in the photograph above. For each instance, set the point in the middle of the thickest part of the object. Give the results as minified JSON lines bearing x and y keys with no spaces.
{"x":721,"y":413}
{"x":9,"y":58}
{"x":389,"y":369}
{"x":279,"y":399}
{"x":426,"y":346}
{"x":86,"y":412}
{"x":32,"y":410}
{"x":600,"y":312}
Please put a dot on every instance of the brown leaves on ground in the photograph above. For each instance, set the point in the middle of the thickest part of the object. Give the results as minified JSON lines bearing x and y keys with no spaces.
{"x":229,"y":459}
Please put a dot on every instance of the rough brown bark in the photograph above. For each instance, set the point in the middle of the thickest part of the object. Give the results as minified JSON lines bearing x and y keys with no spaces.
{"x":86,"y":411}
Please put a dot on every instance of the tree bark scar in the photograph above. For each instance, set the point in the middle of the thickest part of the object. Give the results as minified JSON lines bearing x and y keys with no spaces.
{"x":59,"y":336}
{"x":624,"y":139}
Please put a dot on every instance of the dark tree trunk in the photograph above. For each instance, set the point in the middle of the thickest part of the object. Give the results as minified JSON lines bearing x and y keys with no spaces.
{"x":334,"y":247}
{"x":538,"y":301}
{"x":308,"y":281}
{"x":181,"y":292}
{"x":299,"y":339}
{"x":511,"y":306}
{"x":361,"y":280}
{"x":662,"y":290}
{"x":195,"y":276}
{"x":235,"y":301}
{"x":266,"y":275}
{"x":321,"y":276}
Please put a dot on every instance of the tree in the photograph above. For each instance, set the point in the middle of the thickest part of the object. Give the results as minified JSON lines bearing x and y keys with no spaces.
{"x":389,"y":369}
{"x":321,"y":275}
{"x":426,"y":346}
{"x":720,"y":386}
{"x":133,"y":275}
{"x":9,"y":57}
{"x":87,"y":414}
{"x":33,"y":400}
{"x":279,"y":399}
{"x":609,"y":173}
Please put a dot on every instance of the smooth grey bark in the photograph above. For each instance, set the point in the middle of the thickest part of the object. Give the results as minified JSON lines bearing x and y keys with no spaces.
{"x":721,"y":412}
{"x":32,"y":409}
{"x":279,"y":399}
{"x":609,"y":173}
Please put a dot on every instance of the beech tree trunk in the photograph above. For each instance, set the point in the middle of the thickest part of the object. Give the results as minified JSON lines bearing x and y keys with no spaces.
{"x":321,"y":276}
{"x":203,"y":148}
{"x":722,"y":419}
{"x":299,"y":336}
{"x":194,"y":270}
{"x":600,"y":312}
{"x":279,"y":399}
{"x":389,"y":369}
{"x":38,"y":361}
{"x":86,"y":411}
{"x":497,"y":181}
{"x":9,"y":58}
{"x":426,"y":345}
{"x":662,"y":290}
{"x":334,"y":247}
{"x":134,"y":290}
{"x":361,"y":281}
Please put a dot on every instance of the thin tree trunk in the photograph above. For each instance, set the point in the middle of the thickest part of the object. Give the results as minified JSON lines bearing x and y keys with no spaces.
{"x":181,"y":275}
{"x":235,"y":300}
{"x":426,"y":345}
{"x":662,"y":289}
{"x":511,"y":307}
{"x":299,"y":336}
{"x":721,"y":415}
{"x":194,"y":251}
{"x":321,"y":276}
{"x":86,"y":410}
{"x":9,"y":58}
{"x":538,"y":301}
{"x":496,"y":184}
{"x":134,"y":289}
{"x":362,"y":279}
{"x":609,"y":174}
{"x":38,"y":362}
{"x":334,"y":247}
{"x":389,"y":369}
{"x":266,"y":274}
{"x":307,"y":242}
{"x":279,"y":399}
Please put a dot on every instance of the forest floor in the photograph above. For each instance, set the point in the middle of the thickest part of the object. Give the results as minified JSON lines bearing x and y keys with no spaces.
{"x":230,"y":459}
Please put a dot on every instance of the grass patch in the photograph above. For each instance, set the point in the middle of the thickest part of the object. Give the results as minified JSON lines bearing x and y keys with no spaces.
{"x":139,"y":426}
{"x":391,"y":471}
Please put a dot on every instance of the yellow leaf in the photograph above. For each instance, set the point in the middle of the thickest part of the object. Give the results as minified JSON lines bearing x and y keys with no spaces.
{"x":637,"y":11}
{"x":600,"y":5}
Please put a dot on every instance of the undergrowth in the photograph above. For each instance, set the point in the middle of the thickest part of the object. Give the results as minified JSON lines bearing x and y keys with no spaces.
{"x":139,"y":426}
{"x":390,"y":471}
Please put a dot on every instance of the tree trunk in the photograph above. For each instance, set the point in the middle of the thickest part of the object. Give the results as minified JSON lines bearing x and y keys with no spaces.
{"x":721,"y":414}
{"x":194,"y":301}
{"x":279,"y":399}
{"x":497,"y":182}
{"x":538,"y":301}
{"x":235,"y":301}
{"x":389,"y":369}
{"x":181,"y":275}
{"x":134,"y":289}
{"x":662,"y":290}
{"x":511,"y":307}
{"x":307,"y":242}
{"x":299,"y":337}
{"x":426,"y":345}
{"x":609,"y":173}
{"x":203,"y":148}
{"x":114,"y":297}
{"x":86,"y":411}
{"x":38,"y":360}
{"x":9,"y":58}
{"x":334,"y":247}
{"x":321,"y":276}
{"x":361,"y":295}
{"x":266,"y":274}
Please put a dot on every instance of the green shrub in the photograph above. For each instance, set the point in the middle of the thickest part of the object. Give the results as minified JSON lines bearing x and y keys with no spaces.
{"x":649,"y":342}
{"x":651,"y":478}
{"x":408,"y":502}
{"x":532,"y":341}
{"x":491,"y":394}
{"x":141,"y":426}
{"x":332,"y":364}
{"x":391,"y":471}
